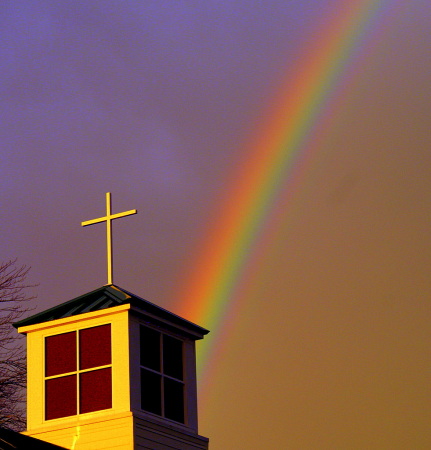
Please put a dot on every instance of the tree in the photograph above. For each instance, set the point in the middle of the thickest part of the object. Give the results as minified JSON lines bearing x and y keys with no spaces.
{"x":14,"y":302}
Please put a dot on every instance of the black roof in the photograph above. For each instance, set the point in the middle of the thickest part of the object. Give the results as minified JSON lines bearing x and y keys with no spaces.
{"x":12,"y":440}
{"x":107,"y":297}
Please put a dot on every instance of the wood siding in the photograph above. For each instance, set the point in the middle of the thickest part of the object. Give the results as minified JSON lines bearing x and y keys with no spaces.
{"x":114,"y":433}
{"x":155,"y":436}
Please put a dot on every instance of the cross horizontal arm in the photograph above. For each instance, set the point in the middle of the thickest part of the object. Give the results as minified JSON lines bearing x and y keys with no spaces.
{"x":111,"y":217}
{"x":126,"y":213}
{"x":90,"y":222}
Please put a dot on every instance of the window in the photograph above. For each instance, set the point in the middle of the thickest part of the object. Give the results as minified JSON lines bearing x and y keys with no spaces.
{"x":162,"y":380}
{"x":78,"y":370}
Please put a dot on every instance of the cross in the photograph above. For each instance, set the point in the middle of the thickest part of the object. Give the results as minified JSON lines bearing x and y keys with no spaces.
{"x":108,"y":219}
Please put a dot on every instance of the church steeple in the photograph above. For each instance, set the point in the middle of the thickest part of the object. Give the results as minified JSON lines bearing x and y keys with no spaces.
{"x":111,"y":370}
{"x":108,"y":368}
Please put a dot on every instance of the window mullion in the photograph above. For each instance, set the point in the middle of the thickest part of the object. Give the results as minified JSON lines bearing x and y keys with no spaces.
{"x":174,"y":379}
{"x":77,"y":375}
{"x":162,"y":381}
{"x":52,"y":377}
{"x":91,"y":369}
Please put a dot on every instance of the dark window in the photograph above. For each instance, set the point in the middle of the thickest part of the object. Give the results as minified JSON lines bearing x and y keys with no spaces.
{"x":174,"y":400}
{"x":92,"y":379}
{"x":172,"y":357}
{"x":162,"y":385}
{"x":150,"y":348}
{"x":151,"y":391}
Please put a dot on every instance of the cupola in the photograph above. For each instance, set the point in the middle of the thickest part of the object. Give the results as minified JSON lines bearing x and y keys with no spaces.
{"x":111,"y":370}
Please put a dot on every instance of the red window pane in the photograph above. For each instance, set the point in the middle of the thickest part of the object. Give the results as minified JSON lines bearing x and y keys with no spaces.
{"x":60,"y":397}
{"x":60,"y":354}
{"x":95,"y":347}
{"x":95,"y":390}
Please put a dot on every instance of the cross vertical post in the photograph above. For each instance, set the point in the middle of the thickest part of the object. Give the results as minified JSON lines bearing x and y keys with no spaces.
{"x":109,"y":236}
{"x":108,"y":219}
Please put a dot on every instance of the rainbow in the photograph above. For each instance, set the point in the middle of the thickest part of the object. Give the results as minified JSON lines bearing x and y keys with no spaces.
{"x":279,"y":155}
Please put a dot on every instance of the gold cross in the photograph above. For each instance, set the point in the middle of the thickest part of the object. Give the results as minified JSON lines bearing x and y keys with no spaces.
{"x":108,"y":219}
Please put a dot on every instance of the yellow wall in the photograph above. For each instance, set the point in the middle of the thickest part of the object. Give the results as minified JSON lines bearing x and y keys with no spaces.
{"x":83,"y":430}
{"x":111,"y":431}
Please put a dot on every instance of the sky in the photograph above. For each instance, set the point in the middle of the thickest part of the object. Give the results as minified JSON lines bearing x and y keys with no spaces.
{"x":278,"y":154}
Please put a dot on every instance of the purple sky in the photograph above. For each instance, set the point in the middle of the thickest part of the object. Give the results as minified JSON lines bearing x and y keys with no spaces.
{"x":154,"y":102}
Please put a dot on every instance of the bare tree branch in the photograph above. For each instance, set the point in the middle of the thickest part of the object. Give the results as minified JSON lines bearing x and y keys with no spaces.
{"x":14,"y":302}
